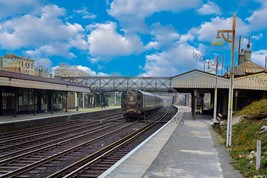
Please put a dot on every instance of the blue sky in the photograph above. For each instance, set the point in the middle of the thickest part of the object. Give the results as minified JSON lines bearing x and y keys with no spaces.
{"x":128,"y":37}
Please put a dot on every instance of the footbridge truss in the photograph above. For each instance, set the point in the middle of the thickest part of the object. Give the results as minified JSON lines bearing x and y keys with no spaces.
{"x":119,"y":83}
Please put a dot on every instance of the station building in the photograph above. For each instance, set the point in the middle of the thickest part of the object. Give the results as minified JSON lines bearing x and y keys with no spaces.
{"x":22,"y":93}
{"x":25,"y":99}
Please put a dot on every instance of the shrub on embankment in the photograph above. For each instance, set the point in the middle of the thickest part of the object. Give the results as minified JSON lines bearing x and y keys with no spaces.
{"x":244,"y":138}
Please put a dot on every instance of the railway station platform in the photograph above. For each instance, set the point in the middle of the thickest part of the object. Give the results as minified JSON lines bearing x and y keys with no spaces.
{"x":187,"y":149}
{"x":22,"y":121}
{"x":31,"y":116}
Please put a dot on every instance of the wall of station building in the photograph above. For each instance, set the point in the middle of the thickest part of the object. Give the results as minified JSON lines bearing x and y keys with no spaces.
{"x":25,"y":101}
{"x":28,"y":100}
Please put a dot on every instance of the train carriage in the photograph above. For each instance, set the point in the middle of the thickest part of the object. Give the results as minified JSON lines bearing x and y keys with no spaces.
{"x":137,"y":104}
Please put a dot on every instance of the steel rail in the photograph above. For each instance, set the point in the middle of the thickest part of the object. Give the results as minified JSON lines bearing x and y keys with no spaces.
{"x":53,"y":157}
{"x":83,"y":134}
{"x":90,"y":159}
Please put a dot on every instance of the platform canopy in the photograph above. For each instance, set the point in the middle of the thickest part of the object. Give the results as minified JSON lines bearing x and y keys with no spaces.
{"x":199,"y":79}
{"x":11,"y":79}
{"x":257,"y":81}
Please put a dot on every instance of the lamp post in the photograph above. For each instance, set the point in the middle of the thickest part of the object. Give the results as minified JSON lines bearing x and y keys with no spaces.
{"x":215,"y":91}
{"x":218,"y":42}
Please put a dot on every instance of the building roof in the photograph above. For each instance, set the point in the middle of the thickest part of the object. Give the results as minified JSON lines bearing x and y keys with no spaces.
{"x":248,"y":67}
{"x":35,"y":78}
{"x":13,"y":56}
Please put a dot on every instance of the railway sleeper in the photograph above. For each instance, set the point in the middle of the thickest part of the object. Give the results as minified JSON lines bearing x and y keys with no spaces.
{"x":26,"y":161}
{"x":8,"y":168}
{"x":34,"y":172}
{"x":16,"y":164}
{"x":115,"y":157}
{"x":32,"y":159}
{"x":88,"y":176}
{"x":102,"y":169}
{"x":23,"y":176}
{"x":101,"y":166}
{"x":119,"y":154}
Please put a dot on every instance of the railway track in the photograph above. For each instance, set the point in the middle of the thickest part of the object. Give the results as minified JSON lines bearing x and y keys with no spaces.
{"x":47,"y":156}
{"x":62,"y":125}
{"x":58,"y":153}
{"x":96,"y":163}
{"x":19,"y":144}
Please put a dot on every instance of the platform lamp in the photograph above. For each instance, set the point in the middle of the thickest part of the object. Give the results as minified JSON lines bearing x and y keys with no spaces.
{"x":219,"y":42}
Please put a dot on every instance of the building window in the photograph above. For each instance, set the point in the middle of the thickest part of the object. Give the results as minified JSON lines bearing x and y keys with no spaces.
{"x":8,"y":100}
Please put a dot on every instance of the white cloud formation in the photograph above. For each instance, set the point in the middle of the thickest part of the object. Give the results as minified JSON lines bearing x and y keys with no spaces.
{"x":32,"y":31}
{"x":79,"y":42}
{"x":209,"y":8}
{"x":257,"y":37}
{"x":105,"y":42}
{"x":88,"y":70}
{"x":131,"y":13}
{"x":85,"y":13}
{"x":163,"y":35}
{"x":147,"y":7}
{"x":152,"y":45}
{"x":257,"y":19}
{"x":172,"y":62}
{"x":14,"y":7}
{"x":207,"y":31}
{"x":259,"y":57}
{"x":52,"y":49}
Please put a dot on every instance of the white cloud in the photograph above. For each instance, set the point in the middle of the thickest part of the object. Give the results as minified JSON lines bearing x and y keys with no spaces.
{"x":152,"y":45}
{"x":15,"y":33}
{"x":105,"y":42}
{"x":186,"y":38}
{"x":14,"y":7}
{"x":207,"y":31}
{"x":32,"y":31}
{"x":258,"y":19}
{"x":209,"y":8}
{"x":51,"y":11}
{"x":163,"y":35}
{"x":145,"y":8}
{"x":257,"y":37}
{"x":259,"y":57}
{"x":85,"y":13}
{"x":172,"y":62}
{"x":79,"y":42}
{"x":88,"y":70}
{"x":131,"y":13}
{"x":53,"y":49}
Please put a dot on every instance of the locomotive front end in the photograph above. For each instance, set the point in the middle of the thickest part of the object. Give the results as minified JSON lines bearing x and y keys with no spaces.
{"x":131,"y":104}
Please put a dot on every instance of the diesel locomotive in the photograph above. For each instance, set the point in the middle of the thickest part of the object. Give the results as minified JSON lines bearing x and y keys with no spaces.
{"x":136,"y":104}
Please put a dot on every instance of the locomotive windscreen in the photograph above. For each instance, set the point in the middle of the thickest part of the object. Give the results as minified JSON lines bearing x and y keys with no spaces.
{"x":131,"y":96}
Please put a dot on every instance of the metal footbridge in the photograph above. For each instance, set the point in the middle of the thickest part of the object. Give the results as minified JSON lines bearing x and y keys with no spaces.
{"x":119,"y":83}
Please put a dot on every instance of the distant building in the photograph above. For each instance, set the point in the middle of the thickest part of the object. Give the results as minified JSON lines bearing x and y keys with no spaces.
{"x":75,"y":99}
{"x":13,"y":63}
{"x":245,"y":65}
{"x":69,"y":71}
{"x":42,"y":73}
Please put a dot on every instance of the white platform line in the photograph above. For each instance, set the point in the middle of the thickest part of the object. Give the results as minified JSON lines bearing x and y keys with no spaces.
{"x":112,"y":168}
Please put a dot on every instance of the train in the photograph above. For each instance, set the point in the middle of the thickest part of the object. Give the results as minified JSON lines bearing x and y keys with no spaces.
{"x":137,"y":104}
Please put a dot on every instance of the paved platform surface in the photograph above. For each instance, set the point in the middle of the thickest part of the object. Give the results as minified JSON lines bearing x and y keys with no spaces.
{"x":189,"y":150}
{"x":31,"y":116}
